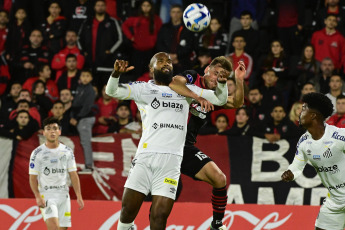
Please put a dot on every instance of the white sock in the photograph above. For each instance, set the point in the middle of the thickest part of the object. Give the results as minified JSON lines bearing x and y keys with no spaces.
{"x":122,"y":226}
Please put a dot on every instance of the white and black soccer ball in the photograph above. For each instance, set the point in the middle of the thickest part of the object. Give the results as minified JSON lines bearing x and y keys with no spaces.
{"x":196,"y":17}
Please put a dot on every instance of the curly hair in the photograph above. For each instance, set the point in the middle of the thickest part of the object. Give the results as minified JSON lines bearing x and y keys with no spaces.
{"x":320,"y":103}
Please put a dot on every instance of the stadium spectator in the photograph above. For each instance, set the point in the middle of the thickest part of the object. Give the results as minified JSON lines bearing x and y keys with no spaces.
{"x":134,"y":126}
{"x":271,"y":95}
{"x":165,"y":8}
{"x":250,"y":35}
{"x":124,"y":117}
{"x":3,"y":30}
{"x":76,"y":12}
{"x":82,"y":116}
{"x":321,"y":80}
{"x":66,"y":98}
{"x":44,"y":74}
{"x":332,"y":7}
{"x":335,"y":89}
{"x":100,"y":39}
{"x":256,"y":110}
{"x":338,"y":119}
{"x":278,"y":126}
{"x":329,"y":42}
{"x":239,"y":54}
{"x":59,"y":59}
{"x":58,"y":112}
{"x":221,"y":125}
{"x":54,"y":28}
{"x":39,"y":98}
{"x":9,"y":102}
{"x":106,"y":116}
{"x":295,"y":111}
{"x":25,"y":105}
{"x":18,"y":34}
{"x":214,"y":39}
{"x":204,"y":59}
{"x":176,"y":40}
{"x":142,"y":31}
{"x":241,"y":125}
{"x":307,"y":88}
{"x":70,"y":78}
{"x":32,"y":56}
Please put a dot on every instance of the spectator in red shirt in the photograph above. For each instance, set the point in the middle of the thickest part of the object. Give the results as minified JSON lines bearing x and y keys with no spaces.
{"x":70,"y":78}
{"x":53,"y":29}
{"x":44,"y":74}
{"x":59,"y":59}
{"x":338,"y":119}
{"x":107,"y":106}
{"x":332,"y":7}
{"x":239,"y":55}
{"x":328,"y":42}
{"x":3,"y":29}
{"x":142,"y":31}
{"x":25,"y":105}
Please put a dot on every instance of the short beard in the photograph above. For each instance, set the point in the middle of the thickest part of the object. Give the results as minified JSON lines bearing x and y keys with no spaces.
{"x":161,"y":77}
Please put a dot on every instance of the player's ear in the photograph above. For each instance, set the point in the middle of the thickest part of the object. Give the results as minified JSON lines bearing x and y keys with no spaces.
{"x":206,"y":69}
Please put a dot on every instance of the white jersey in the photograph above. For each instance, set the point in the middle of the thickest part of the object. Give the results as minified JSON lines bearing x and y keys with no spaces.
{"x":164,"y":113}
{"x":327,"y":155}
{"x":52,"y":167}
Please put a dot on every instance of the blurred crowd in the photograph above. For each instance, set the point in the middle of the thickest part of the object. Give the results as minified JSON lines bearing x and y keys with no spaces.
{"x":56,"y":57}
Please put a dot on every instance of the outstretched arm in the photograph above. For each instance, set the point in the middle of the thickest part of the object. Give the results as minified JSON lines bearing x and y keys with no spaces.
{"x":237,"y":100}
{"x":178,"y":84}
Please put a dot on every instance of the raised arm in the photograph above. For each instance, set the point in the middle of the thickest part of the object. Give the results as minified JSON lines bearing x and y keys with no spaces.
{"x":178,"y":84}
{"x":113,"y":89}
{"x":237,"y":100}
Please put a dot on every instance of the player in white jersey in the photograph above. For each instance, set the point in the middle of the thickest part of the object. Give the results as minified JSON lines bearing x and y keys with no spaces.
{"x":323,"y":146}
{"x":156,"y":166}
{"x":52,"y":168}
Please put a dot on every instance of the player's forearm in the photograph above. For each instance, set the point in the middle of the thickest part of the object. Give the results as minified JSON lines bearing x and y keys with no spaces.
{"x":75,"y":183}
{"x":221,"y":93}
{"x":34,"y":185}
{"x":112,"y":89}
{"x":297,"y":167}
{"x":238,"y":98}
{"x":178,"y":84}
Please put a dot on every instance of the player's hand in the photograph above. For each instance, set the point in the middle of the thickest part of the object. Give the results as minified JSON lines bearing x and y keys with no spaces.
{"x":240,"y":71}
{"x":121,"y":66}
{"x":80,"y":203}
{"x":223,"y":76}
{"x":287,"y":176}
{"x":40,"y":202}
{"x":205,"y":104}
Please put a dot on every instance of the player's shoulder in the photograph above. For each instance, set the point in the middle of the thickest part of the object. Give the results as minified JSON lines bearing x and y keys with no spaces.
{"x":65,"y":148}
{"x":303,"y":139}
{"x":336,"y":133}
{"x":37,"y":151}
{"x":190,"y":75}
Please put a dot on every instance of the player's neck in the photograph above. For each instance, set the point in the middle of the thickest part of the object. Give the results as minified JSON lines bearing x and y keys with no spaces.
{"x":52,"y":145}
{"x":317,"y":131}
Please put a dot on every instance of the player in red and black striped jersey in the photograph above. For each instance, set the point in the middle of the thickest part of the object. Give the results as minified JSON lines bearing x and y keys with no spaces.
{"x":195,"y":163}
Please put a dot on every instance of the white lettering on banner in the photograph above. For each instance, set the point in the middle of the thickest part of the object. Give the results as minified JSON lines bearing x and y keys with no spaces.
{"x":129,"y":149}
{"x":295,"y":196}
{"x":265,"y":195}
{"x":21,"y":217}
{"x":271,"y":221}
{"x":316,"y":195}
{"x":259,"y":156}
{"x":235,"y":194}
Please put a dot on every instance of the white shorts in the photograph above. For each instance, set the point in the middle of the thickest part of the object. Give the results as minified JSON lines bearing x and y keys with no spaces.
{"x":157,"y":173}
{"x":331,"y":216}
{"x":59,"y":206}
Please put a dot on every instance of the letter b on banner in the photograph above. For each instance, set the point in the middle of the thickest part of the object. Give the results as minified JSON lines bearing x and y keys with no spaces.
{"x":277,"y":156}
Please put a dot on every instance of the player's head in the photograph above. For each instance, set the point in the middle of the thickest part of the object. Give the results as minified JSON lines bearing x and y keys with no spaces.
{"x":217,"y":65}
{"x":51,"y":129}
{"x":162,"y":68}
{"x":316,"y":108}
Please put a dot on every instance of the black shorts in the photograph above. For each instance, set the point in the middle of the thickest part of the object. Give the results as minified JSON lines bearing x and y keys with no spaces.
{"x":193,"y":161}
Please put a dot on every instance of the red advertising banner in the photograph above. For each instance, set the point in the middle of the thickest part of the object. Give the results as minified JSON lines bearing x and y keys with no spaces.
{"x":103,"y":215}
{"x":112,"y":158}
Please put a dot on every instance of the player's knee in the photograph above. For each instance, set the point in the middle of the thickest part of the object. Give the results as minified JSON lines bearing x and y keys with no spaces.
{"x":126,"y":215}
{"x":219,"y":180}
{"x":159,"y":216}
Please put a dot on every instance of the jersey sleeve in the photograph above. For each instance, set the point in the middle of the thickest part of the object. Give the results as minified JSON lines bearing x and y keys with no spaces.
{"x":34,"y":164}
{"x":71,"y":165}
{"x":130,"y":91}
{"x":299,"y":161}
{"x":189,"y":75}
{"x":218,"y":97}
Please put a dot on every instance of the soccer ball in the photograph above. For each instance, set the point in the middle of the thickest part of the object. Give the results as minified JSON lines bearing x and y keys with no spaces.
{"x":196,"y":17}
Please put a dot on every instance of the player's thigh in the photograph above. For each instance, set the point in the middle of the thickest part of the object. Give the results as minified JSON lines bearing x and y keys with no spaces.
{"x":52,"y":223}
{"x":161,"y":207}
{"x":64,"y":210}
{"x":50,"y":212}
{"x":212,"y":174}
{"x":131,"y":203}
{"x":330,"y":219}
{"x":166,"y":173}
{"x":193,"y":161}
